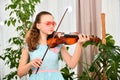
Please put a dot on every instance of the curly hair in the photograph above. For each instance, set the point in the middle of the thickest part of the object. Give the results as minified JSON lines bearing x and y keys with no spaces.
{"x":33,"y":34}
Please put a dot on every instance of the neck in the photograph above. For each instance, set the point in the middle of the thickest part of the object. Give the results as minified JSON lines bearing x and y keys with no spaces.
{"x":43,"y":38}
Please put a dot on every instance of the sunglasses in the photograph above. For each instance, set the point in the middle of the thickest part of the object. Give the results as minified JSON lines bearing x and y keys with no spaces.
{"x":49,"y":23}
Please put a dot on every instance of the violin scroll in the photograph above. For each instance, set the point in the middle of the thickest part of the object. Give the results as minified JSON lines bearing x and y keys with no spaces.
{"x":95,"y":39}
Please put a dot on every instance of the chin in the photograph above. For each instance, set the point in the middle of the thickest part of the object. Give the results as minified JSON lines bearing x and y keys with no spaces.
{"x":50,"y":33}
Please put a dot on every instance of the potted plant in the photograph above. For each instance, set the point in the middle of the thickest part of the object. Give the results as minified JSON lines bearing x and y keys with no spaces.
{"x":106,"y":64}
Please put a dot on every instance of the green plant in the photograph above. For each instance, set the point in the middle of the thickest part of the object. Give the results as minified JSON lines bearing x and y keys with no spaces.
{"x":66,"y":73}
{"x":106,"y":64}
{"x":19,"y":17}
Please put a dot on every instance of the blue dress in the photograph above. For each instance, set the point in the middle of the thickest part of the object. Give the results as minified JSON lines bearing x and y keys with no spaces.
{"x":49,"y":68}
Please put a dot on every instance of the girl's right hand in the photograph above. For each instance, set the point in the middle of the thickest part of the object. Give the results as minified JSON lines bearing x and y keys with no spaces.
{"x":36,"y":63}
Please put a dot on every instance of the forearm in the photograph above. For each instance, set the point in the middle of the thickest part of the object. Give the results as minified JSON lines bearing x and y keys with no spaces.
{"x":22,"y":70}
{"x":76,"y":56}
{"x":71,"y":60}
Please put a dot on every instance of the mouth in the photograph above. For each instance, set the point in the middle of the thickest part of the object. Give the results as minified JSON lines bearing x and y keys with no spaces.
{"x":51,"y":30}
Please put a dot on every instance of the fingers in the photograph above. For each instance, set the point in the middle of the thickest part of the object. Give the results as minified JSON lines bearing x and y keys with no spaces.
{"x":83,"y":38}
{"x":86,"y":37}
{"x":59,"y":34}
{"x":36,"y":62}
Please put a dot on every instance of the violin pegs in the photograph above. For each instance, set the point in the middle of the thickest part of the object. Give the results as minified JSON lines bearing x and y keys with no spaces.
{"x":86,"y":36}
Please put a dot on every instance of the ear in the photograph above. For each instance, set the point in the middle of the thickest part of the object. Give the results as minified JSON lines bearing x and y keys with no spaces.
{"x":38,"y":25}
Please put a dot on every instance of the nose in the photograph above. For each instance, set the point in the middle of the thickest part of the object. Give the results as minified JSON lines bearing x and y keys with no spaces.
{"x":51,"y":26}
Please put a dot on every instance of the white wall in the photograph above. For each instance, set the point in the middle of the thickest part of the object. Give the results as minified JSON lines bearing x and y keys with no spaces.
{"x":112,"y":10}
{"x":57,"y":8}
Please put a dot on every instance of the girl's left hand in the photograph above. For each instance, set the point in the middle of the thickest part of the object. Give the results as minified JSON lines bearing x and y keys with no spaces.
{"x":83,"y":38}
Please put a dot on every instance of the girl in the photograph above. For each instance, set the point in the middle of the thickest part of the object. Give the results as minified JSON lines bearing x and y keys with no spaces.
{"x":36,"y":45}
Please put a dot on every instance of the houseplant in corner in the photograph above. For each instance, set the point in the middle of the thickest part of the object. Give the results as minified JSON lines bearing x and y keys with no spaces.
{"x":106,"y":64}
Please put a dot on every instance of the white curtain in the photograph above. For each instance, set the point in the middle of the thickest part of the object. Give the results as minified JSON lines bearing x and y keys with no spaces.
{"x":89,"y":23}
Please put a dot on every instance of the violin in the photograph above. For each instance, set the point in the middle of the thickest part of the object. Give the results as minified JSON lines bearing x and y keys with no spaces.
{"x":67,"y":39}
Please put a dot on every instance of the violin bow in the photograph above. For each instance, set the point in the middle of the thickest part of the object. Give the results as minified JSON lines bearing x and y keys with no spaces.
{"x":53,"y":37}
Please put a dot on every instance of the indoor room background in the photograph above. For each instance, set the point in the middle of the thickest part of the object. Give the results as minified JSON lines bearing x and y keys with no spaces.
{"x":111,"y":8}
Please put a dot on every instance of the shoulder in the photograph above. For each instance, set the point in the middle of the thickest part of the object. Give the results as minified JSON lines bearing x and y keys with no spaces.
{"x":25,"y":47}
{"x":63,"y":48}
{"x":25,"y":50}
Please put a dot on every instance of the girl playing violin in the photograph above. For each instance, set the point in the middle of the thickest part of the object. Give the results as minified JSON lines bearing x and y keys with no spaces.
{"x":36,"y":45}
